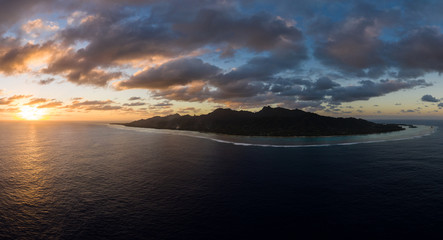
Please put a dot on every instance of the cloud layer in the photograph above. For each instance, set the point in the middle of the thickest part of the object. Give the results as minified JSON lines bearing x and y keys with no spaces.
{"x":230,"y":52}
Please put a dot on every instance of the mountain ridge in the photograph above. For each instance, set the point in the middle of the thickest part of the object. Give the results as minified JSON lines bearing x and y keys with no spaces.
{"x":266,"y":122}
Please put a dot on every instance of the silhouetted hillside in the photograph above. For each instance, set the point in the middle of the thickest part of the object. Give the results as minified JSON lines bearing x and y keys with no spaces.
{"x":267,"y":122}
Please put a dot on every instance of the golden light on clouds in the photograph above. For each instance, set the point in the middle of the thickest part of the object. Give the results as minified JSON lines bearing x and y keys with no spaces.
{"x":32,"y":113}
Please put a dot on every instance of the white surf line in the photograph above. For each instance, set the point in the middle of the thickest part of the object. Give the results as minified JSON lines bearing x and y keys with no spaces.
{"x":181,"y":133}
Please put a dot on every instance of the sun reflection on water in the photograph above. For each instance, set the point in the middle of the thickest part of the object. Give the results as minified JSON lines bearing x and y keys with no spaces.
{"x":31,"y":182}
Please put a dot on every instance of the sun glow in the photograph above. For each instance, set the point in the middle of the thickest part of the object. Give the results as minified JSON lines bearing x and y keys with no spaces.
{"x":31,"y":113}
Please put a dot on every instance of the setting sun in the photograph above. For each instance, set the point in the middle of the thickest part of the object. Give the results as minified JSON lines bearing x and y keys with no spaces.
{"x":31,"y":113}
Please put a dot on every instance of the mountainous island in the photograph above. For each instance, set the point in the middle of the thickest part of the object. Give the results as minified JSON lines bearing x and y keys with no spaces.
{"x":266,"y":122}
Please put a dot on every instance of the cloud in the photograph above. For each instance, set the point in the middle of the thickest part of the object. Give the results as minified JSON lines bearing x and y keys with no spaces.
{"x":286,"y":92}
{"x":79,"y":70}
{"x":37,"y":101}
{"x":103,"y":108}
{"x":259,"y":32}
{"x":429,"y":98}
{"x":117,"y":38}
{"x":16,"y":97}
{"x":77,"y":103}
{"x":77,"y":17}
{"x":5,"y":101}
{"x":195,"y":92}
{"x":172,"y":73}
{"x":408,"y":111}
{"x":369,"y":89}
{"x":325,"y":83}
{"x":96,"y":105}
{"x":39,"y":25}
{"x":263,"y":68}
{"x":163,"y":104}
{"x":46,"y":81}
{"x":420,"y":50}
{"x":51,"y":105}
{"x":12,"y":11}
{"x":226,"y":52}
{"x":10,"y":100}
{"x":134,"y":98}
{"x":15,"y":58}
{"x":134,"y":104}
{"x":188,"y":110}
{"x":353,"y":45}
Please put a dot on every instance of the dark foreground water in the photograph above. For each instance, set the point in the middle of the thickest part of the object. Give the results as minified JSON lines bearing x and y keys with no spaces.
{"x":92,"y":181}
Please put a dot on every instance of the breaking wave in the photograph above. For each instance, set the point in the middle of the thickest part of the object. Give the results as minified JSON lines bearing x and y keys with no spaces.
{"x":295,"y":142}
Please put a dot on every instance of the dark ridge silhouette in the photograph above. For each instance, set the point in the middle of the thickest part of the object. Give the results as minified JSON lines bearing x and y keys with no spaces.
{"x":267,"y":122}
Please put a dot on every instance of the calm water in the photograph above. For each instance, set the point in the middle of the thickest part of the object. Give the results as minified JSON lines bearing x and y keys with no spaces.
{"x":93,"y":181}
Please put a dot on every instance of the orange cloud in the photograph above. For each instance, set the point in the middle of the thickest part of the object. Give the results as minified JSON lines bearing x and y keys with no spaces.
{"x":39,"y":25}
{"x":51,"y":105}
{"x":37,"y":101}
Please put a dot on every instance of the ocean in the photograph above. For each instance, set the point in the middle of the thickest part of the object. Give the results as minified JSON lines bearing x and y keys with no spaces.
{"x":61,"y":180}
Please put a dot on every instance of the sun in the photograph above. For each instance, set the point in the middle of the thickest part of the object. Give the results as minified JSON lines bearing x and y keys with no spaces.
{"x":31,"y":113}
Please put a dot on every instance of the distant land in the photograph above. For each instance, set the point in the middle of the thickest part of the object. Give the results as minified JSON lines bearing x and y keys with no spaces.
{"x":266,"y":122}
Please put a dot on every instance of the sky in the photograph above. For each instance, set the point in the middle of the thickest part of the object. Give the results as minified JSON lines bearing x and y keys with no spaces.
{"x":115,"y":60}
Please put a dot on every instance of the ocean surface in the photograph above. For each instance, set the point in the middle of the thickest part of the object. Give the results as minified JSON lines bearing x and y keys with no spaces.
{"x":63,"y":180}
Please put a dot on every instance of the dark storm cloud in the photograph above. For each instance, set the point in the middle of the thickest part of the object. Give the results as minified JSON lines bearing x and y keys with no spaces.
{"x":429,"y":98}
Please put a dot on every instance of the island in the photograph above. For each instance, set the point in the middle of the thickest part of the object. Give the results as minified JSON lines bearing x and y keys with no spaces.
{"x":266,"y":122}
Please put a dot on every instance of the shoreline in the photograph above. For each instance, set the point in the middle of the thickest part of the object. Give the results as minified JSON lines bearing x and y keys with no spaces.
{"x":296,"y":141}
{"x":276,"y":136}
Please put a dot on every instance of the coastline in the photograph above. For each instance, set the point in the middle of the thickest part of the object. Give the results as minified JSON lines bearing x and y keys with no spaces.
{"x":417,"y":131}
{"x":273,"y":136}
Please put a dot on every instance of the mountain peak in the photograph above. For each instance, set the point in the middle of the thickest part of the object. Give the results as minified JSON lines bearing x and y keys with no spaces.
{"x":267,"y":122}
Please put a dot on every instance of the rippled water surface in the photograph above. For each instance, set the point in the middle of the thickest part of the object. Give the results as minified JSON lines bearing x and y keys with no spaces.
{"x":93,"y":181}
